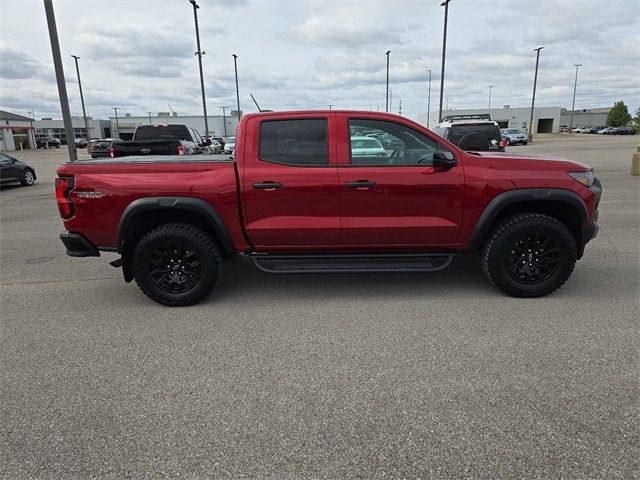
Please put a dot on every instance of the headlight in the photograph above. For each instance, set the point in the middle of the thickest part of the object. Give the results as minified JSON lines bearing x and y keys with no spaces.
{"x":585,"y":178}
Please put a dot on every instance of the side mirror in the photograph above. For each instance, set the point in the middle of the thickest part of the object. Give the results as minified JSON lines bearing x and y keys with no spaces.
{"x":443,"y":159}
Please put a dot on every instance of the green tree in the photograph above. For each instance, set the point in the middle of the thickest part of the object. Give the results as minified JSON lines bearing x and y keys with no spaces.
{"x":618,"y":115}
{"x":636,"y":119}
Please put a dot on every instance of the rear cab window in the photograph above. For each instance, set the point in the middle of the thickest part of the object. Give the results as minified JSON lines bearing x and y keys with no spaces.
{"x":162,"y":132}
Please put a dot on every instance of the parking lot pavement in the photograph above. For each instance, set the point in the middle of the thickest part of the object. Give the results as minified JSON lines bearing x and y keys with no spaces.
{"x":326,"y":376}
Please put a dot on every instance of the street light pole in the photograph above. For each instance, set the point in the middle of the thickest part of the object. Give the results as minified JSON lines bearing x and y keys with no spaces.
{"x":200,"y":53}
{"x":387,"y":101}
{"x":62,"y":88}
{"x":330,"y":105}
{"x":444,"y":4}
{"x":533,"y":97}
{"x":573,"y":105}
{"x":490,"y":88}
{"x":115,"y":109}
{"x":390,"y":99}
{"x":224,"y":119}
{"x":235,"y":66}
{"x":429,"y":101}
{"x":84,"y":112}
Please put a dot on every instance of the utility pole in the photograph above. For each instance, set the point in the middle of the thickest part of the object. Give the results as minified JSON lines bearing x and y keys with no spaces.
{"x":149,"y":113}
{"x":573,"y":105}
{"x":390,"y":100}
{"x":224,"y":119}
{"x":444,"y":4}
{"x":400,"y":108}
{"x":115,"y":109}
{"x":533,"y":97}
{"x":84,"y":112}
{"x":235,"y":66}
{"x":200,"y":53}
{"x":490,"y":88}
{"x":429,"y":101}
{"x":330,"y":105}
{"x":62,"y":89}
{"x":387,"y":54}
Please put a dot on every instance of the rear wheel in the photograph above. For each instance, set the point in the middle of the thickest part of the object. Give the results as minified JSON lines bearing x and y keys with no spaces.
{"x":529,"y":255}
{"x":176,"y":264}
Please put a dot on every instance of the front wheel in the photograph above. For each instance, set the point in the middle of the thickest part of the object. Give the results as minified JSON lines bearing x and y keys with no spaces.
{"x":28,"y":178}
{"x":529,"y":255}
{"x":176,"y":264}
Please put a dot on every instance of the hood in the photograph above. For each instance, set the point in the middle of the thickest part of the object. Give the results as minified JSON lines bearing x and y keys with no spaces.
{"x":551,"y":161}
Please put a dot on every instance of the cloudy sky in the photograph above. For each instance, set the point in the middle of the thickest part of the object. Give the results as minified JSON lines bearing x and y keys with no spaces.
{"x":297,"y":54}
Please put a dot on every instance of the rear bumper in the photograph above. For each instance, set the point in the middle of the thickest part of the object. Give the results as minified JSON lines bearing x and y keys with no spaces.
{"x":78,"y":246}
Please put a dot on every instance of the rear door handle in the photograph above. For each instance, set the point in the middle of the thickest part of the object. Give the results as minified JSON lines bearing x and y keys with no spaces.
{"x":269,"y":186}
{"x":361,"y":184}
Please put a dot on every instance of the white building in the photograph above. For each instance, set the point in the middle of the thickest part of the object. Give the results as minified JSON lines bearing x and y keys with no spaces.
{"x":16,"y":131}
{"x":545,"y":119}
{"x":219,"y":126}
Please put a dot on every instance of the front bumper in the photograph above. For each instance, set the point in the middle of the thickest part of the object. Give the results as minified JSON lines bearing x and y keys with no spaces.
{"x":591,"y":231}
{"x":78,"y":246}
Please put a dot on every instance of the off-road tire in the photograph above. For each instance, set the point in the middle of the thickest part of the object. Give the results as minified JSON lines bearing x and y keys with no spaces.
{"x":499,"y":246}
{"x":200,"y":246}
{"x":28,"y":178}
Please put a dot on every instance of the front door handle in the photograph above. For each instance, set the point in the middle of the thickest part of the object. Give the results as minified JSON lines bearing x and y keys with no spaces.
{"x":361,"y":184}
{"x":268,"y":186}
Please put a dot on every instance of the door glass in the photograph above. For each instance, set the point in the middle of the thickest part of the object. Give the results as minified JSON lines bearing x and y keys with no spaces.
{"x":381,"y":143}
{"x":294,"y":142}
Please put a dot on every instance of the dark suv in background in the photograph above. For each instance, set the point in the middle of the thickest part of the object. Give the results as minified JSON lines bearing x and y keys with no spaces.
{"x":472,"y":132}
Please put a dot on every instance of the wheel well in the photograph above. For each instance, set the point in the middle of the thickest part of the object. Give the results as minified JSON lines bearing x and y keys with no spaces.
{"x":562,"y":211}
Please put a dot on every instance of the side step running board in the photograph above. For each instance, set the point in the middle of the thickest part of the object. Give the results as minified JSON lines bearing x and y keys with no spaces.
{"x":352,"y":263}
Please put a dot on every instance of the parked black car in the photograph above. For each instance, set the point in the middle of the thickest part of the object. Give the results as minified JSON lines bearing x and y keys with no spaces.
{"x":13,"y":170}
{"x":81,"y":142}
{"x":623,"y":131}
{"x":99,"y":147}
{"x":46,"y":142}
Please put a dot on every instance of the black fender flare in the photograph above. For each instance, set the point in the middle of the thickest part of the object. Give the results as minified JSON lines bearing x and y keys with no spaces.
{"x":510,"y":197}
{"x":192,"y":204}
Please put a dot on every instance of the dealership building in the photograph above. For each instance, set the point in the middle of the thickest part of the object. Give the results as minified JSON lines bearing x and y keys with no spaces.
{"x":545,"y":119}
{"x":16,"y":131}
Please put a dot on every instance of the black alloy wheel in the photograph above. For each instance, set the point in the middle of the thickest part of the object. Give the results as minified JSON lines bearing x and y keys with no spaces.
{"x":532,"y":259}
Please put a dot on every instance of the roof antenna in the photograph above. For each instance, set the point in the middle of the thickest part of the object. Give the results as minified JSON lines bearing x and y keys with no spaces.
{"x":259,"y":109}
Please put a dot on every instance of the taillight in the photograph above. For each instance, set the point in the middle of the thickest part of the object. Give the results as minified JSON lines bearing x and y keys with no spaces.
{"x":64,"y":185}
{"x":503,"y":143}
{"x":112,"y":152}
{"x":181,"y":150}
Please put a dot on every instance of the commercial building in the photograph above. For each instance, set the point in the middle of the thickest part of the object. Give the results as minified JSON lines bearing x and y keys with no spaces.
{"x":51,"y":128}
{"x":16,"y":131}
{"x":219,"y":125}
{"x":545,"y":119}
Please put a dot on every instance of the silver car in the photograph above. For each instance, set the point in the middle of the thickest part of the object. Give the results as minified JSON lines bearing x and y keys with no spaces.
{"x":514,"y":136}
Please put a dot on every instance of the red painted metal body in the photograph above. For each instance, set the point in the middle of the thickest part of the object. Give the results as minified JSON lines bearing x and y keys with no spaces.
{"x":410,"y":207}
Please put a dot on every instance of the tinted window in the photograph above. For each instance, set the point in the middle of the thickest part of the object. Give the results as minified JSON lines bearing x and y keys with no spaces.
{"x":489,"y":130}
{"x":402,"y":145}
{"x":167,"y":132}
{"x":294,"y":142}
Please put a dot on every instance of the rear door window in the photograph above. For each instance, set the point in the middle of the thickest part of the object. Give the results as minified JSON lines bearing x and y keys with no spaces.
{"x":300,"y":142}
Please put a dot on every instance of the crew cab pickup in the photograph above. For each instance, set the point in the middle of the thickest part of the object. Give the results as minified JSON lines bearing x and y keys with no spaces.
{"x":161,"y":139}
{"x":297,"y":199}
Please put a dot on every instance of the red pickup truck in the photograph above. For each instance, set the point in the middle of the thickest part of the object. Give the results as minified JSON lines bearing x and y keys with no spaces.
{"x":300,"y":196}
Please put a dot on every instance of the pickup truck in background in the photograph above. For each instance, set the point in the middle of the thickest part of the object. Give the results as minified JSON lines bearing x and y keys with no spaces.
{"x":162,"y":139}
{"x":296,"y":198}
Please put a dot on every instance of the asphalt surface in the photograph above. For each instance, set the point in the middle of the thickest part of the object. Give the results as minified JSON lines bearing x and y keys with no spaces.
{"x":325,"y":376}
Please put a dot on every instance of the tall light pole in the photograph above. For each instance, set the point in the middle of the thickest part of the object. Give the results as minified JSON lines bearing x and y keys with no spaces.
{"x":573,"y":105}
{"x":149,"y":113}
{"x":235,"y":66}
{"x":387,"y":107}
{"x":62,"y":88}
{"x":330,"y":105}
{"x":115,"y":109}
{"x":84,"y":112}
{"x":390,"y":106}
{"x":490,"y":88}
{"x":533,"y":97}
{"x":444,"y":4}
{"x":224,"y":119}
{"x":429,"y":101}
{"x":200,"y":53}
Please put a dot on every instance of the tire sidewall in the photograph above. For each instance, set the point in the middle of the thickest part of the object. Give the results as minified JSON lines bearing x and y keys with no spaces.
{"x":24,"y":178}
{"x":209,"y":269}
{"x":503,"y":244}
